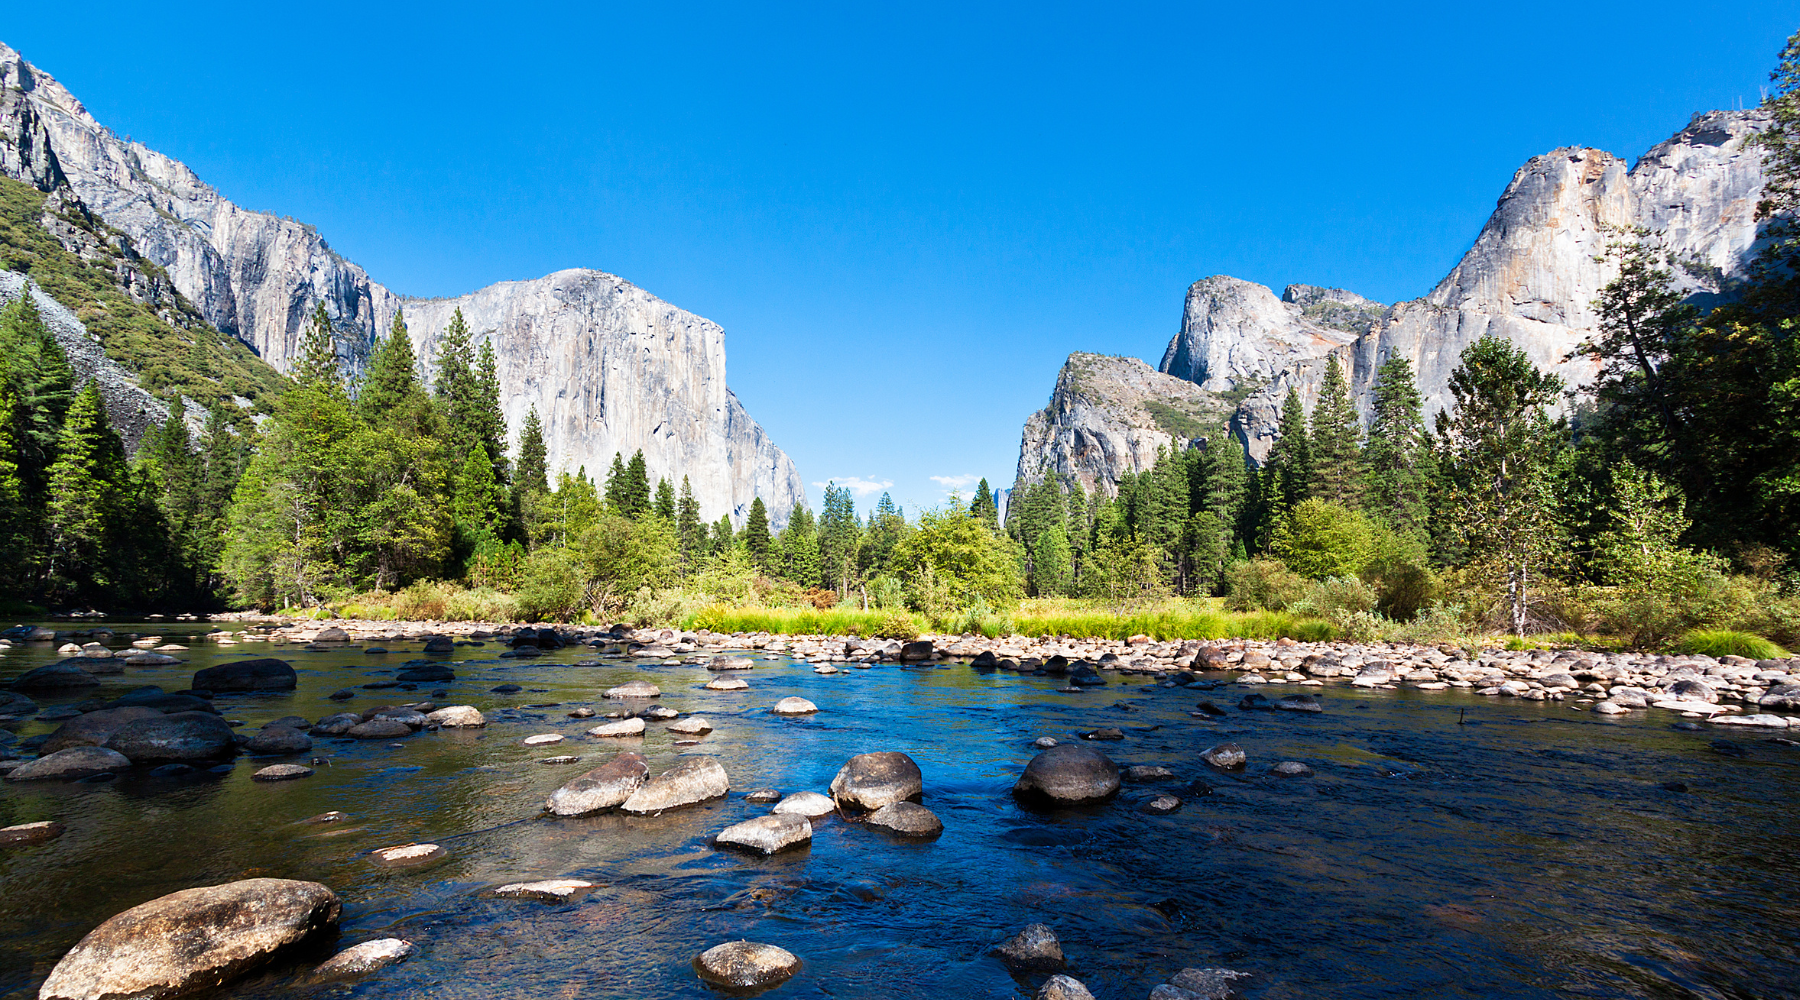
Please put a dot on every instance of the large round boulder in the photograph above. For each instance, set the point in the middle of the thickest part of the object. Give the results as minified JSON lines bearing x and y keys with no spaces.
{"x":94,"y":728}
{"x":70,"y":764}
{"x":267,"y":674}
{"x":694,"y":780}
{"x":601,"y":788}
{"x":908,"y":819}
{"x":745,"y":965}
{"x":278,"y":740}
{"x":1069,"y":774}
{"x":192,"y":940}
{"x":182,"y":736}
{"x":869,"y":781}
{"x":379,"y":729}
{"x":730,"y":663}
{"x":426,"y":673}
{"x":60,"y":676}
{"x":457,"y":717}
{"x":634,"y":689}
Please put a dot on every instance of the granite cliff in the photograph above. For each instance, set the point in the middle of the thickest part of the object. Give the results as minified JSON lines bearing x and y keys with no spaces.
{"x":1110,"y":415}
{"x":609,"y":366}
{"x":1530,"y":277}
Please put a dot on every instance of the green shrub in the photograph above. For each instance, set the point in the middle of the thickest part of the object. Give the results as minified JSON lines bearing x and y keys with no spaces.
{"x":1334,"y":597}
{"x":1725,"y":642}
{"x":1319,"y":538}
{"x":1262,"y":585}
{"x":897,"y":625}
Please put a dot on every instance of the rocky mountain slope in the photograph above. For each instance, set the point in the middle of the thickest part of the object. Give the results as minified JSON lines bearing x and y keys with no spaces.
{"x":256,"y":277}
{"x":1110,"y":415}
{"x":1530,"y":277}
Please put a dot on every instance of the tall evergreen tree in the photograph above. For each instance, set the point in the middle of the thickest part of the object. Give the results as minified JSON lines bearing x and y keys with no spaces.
{"x":1498,"y":442}
{"x":615,"y":487}
{"x":480,"y":501}
{"x":87,"y":504}
{"x":1336,"y":441}
{"x":690,"y":530}
{"x":800,"y":548}
{"x":756,"y":532}
{"x":391,"y":393}
{"x":839,"y":531}
{"x":489,"y":421}
{"x":15,"y":532}
{"x":984,"y":508}
{"x":317,"y":364}
{"x":665,"y":500}
{"x":1399,"y":455}
{"x":457,"y":390}
{"x":634,"y":487}
{"x":1227,"y":477}
{"x":34,"y":366}
{"x":533,"y":472}
{"x":1288,"y":470}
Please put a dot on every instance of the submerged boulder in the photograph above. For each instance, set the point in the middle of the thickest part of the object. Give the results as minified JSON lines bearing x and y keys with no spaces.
{"x":267,"y":674}
{"x":94,"y":728}
{"x":1034,"y":948}
{"x":183,"y":736}
{"x":869,"y":781}
{"x":192,"y":940}
{"x":362,"y":959}
{"x":908,"y":819}
{"x":70,"y":764}
{"x":62,"y":676}
{"x":746,"y":965}
{"x":1069,"y":774}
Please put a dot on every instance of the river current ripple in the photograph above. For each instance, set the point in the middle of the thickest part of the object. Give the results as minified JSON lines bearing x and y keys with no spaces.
{"x":1446,"y":846}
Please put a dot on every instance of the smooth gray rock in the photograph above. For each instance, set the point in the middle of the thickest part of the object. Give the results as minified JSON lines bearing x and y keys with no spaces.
{"x":278,"y":740}
{"x":621,"y":728}
{"x":1063,"y":988}
{"x":264,"y":674}
{"x":908,"y":819}
{"x":362,"y":959}
{"x":604,"y":787}
{"x":767,"y":834}
{"x":456,"y":717}
{"x":1140,"y":774}
{"x":407,"y":855}
{"x":691,"y":781}
{"x":869,"y":781}
{"x":192,"y":940}
{"x":1225,"y":756}
{"x":379,"y":729}
{"x":812,"y":805}
{"x":282,"y":772}
{"x":183,"y":736}
{"x":60,"y":676}
{"x":794,"y":706}
{"x":1033,"y":949}
{"x":1069,"y":774}
{"x":556,"y":890}
{"x":634,"y":689}
{"x":336,"y":725}
{"x":1292,"y":769}
{"x":730,"y":663}
{"x":1161,"y":805}
{"x":746,"y":965}
{"x":70,"y":764}
{"x":94,"y":728}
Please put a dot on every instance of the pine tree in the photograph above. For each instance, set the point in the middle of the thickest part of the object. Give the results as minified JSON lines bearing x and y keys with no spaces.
{"x":615,"y":488}
{"x":489,"y":421}
{"x":317,"y":364}
{"x":723,"y":537}
{"x":15,"y":533}
{"x":1398,"y":455}
{"x":87,"y":500}
{"x":800,"y":548}
{"x":1052,"y":563}
{"x":1227,"y":477}
{"x":1289,"y":467}
{"x":665,"y":500}
{"x":168,"y":462}
{"x":1498,"y":442}
{"x":37,"y":371}
{"x":479,"y":501}
{"x":533,"y":471}
{"x":635,"y":487}
{"x":756,"y":531}
{"x":456,"y":390}
{"x":984,"y":508}
{"x":391,"y":393}
{"x":1336,"y":441}
{"x":839,"y":532}
{"x":690,"y":530}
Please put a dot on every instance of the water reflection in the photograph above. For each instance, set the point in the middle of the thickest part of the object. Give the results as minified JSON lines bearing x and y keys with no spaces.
{"x":1531,"y":852}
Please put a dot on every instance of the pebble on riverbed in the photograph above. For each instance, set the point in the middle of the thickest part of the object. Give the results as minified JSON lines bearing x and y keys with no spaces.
{"x":794,"y":706}
{"x":746,"y":965}
{"x":1162,"y":805}
{"x":1225,"y":756}
{"x":1199,"y":984}
{"x":614,"y":730}
{"x":727,"y":684}
{"x":282,"y":772}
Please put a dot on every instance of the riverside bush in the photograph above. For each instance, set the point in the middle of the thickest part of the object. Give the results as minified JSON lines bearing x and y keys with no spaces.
{"x":1262,"y":585}
{"x":1726,"y":642}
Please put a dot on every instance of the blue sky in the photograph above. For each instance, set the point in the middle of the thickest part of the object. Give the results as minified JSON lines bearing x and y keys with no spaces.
{"x":905,"y":216}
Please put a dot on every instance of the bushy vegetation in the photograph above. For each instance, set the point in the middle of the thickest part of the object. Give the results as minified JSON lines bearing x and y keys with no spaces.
{"x":1724,"y":642}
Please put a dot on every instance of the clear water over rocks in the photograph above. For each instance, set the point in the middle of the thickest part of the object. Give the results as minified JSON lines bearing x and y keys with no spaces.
{"x":1443,"y":845}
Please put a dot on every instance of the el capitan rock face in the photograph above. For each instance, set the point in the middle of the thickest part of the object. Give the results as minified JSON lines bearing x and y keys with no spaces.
{"x":1530,"y":278}
{"x":610,"y":367}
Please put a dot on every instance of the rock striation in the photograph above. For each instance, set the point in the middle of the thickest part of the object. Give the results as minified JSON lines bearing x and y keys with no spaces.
{"x":609,"y":367}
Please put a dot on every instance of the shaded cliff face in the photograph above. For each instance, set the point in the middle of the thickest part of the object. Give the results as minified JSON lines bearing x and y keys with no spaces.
{"x":611,"y":369}
{"x":1108,"y":416}
{"x":660,"y":381}
{"x":1530,"y":277}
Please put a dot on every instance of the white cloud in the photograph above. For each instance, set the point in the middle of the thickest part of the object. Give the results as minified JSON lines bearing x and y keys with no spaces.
{"x":956,"y":482}
{"x":860,"y":487}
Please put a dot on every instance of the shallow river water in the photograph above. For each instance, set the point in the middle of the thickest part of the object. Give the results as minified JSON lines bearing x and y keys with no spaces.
{"x":1447,"y":846}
